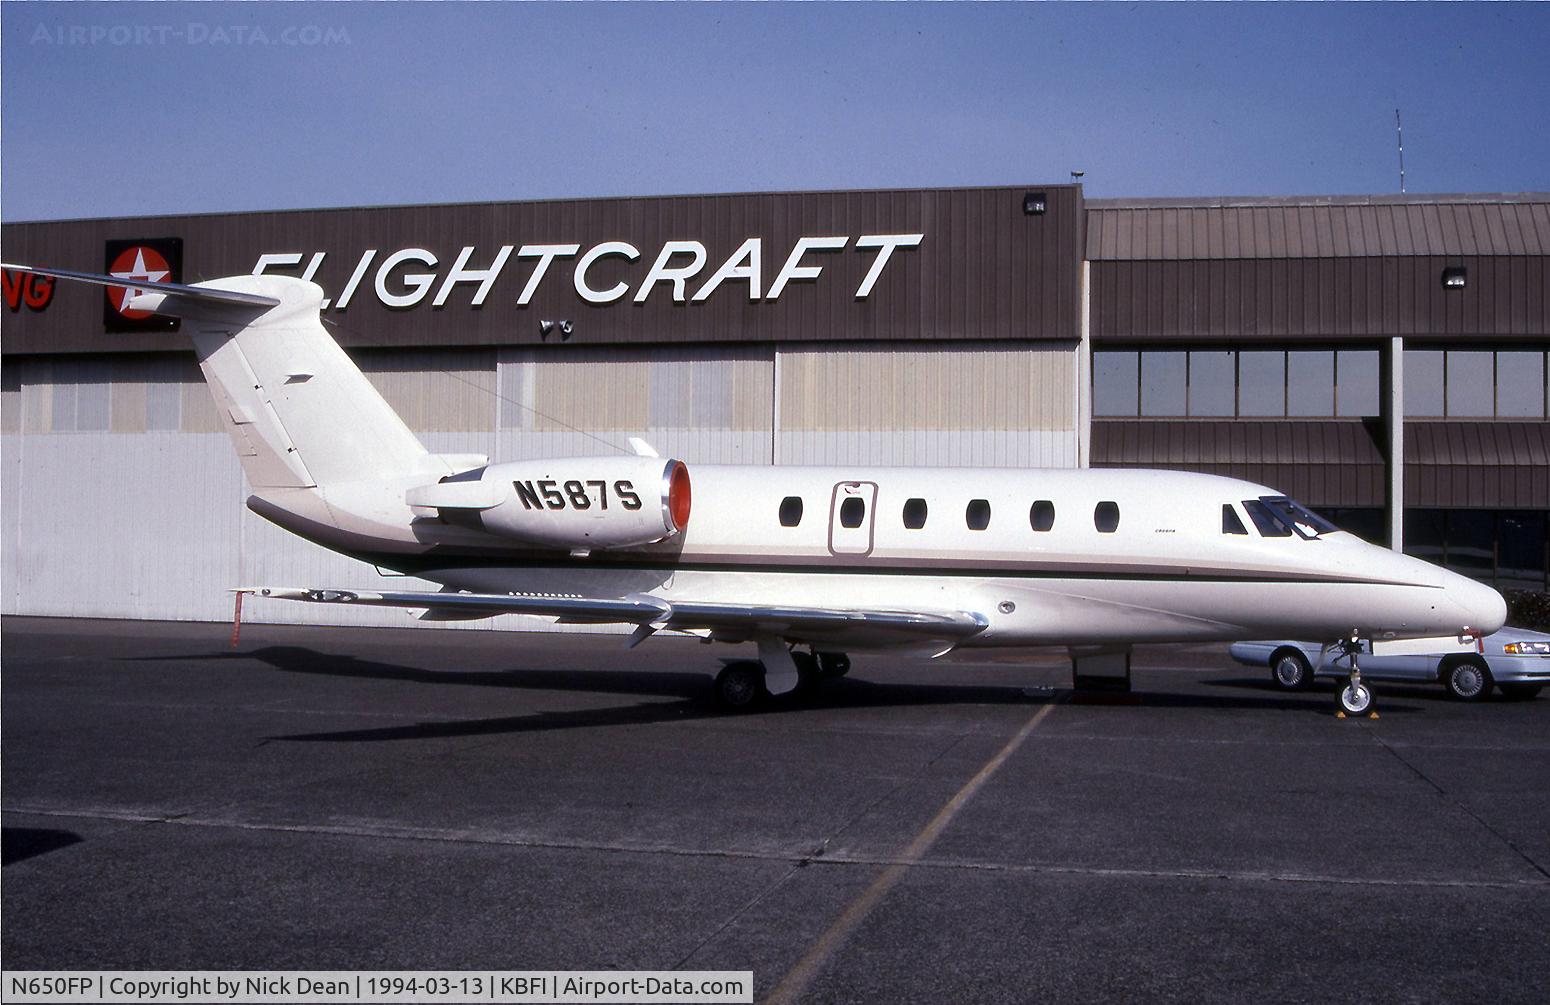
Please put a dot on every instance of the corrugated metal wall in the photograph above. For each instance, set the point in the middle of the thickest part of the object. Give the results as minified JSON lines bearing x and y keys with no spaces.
{"x":987,"y":405}
{"x":122,"y":497}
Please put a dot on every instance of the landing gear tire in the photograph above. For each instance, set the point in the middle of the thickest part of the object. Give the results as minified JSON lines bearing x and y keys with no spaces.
{"x":833,"y":664}
{"x":1468,"y":680}
{"x":1355,"y":698}
{"x":740,"y":686}
{"x":1519,"y":692}
{"x":1290,"y":671}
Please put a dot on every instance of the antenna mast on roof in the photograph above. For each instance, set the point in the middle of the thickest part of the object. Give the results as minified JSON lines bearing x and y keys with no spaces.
{"x":1399,"y":131}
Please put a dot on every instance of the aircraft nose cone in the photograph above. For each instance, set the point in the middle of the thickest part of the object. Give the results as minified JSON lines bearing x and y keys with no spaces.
{"x":1483,"y":608}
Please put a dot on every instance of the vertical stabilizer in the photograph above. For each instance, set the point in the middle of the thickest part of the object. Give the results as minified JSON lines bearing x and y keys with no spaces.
{"x":299,"y":411}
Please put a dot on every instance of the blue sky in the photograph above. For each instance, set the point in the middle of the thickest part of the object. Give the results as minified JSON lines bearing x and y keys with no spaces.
{"x":126,"y":109}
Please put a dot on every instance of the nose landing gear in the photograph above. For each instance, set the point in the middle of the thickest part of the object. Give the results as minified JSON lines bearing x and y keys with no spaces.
{"x":1354,"y":697}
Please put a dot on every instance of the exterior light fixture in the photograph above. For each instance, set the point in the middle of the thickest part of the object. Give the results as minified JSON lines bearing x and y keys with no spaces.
{"x":545,"y":327}
{"x":1034,"y":204}
{"x":1455,"y":279}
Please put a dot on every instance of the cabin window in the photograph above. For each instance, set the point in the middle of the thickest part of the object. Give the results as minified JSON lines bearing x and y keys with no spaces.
{"x":977,"y":515}
{"x":791,"y":511}
{"x":1231,"y":523}
{"x":914,"y":514}
{"x":1106,"y":517}
{"x":1042,"y":516}
{"x":852,"y":512}
{"x":1268,"y":523}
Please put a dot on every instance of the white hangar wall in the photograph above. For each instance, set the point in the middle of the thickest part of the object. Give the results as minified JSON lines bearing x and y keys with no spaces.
{"x":121,"y":496}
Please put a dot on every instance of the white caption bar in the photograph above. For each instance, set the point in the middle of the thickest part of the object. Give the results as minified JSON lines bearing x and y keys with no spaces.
{"x":347,"y":987}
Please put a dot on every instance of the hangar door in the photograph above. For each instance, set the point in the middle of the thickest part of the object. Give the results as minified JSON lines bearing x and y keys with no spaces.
{"x":1001,"y":404}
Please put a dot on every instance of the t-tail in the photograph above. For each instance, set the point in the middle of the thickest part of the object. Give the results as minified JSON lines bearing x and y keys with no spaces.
{"x":313,"y":435}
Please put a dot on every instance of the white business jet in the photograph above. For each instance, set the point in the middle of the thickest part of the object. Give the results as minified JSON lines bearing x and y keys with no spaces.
{"x":802,"y":562}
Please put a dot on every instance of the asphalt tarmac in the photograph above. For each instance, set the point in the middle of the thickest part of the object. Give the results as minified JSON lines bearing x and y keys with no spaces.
{"x":324,"y":798}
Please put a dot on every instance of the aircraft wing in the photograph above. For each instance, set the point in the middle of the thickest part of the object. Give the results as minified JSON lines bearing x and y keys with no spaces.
{"x":724,"y":622}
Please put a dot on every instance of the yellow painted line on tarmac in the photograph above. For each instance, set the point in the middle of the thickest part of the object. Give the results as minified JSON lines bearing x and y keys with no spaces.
{"x":797,"y":980}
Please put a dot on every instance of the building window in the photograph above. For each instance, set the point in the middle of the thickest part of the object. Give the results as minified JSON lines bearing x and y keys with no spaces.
{"x":1262,"y":383}
{"x":1041,"y":516}
{"x":1356,"y":382}
{"x":1164,"y":378}
{"x":1469,"y":378}
{"x":1231,"y":524}
{"x":977,"y":515}
{"x":1222,"y":383}
{"x":1310,"y":383}
{"x":1475,"y":384}
{"x":852,"y":512}
{"x":1520,"y":385}
{"x":1423,"y":382}
{"x":914,"y":514}
{"x":1106,"y":517}
{"x":1116,"y":383}
{"x":1213,"y":383}
{"x":790,"y":511}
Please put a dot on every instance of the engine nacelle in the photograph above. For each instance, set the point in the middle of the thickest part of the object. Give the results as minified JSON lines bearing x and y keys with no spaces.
{"x":572,"y":503}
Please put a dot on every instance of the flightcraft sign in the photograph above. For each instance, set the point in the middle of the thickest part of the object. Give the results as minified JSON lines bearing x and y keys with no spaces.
{"x":680,"y":270}
{"x":980,"y":264}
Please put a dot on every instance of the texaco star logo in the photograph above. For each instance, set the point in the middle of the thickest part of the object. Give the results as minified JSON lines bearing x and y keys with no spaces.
{"x":139,"y":262}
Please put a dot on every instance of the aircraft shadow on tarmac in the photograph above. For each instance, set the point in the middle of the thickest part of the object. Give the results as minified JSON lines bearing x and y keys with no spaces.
{"x":19,"y":843}
{"x":694,"y":690}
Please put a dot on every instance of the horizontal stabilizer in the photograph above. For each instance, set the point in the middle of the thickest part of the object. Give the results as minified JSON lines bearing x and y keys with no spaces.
{"x":206,"y":294}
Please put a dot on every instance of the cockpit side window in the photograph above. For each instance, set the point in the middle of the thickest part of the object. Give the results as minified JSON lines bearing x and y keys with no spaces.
{"x":1265,"y":520}
{"x":1300,"y":518}
{"x":1231,"y":523}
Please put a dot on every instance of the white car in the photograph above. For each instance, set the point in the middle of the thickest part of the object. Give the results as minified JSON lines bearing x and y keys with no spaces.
{"x":1516,"y":661}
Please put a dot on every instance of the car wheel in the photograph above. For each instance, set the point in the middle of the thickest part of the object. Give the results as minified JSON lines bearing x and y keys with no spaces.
{"x":1519,"y":692}
{"x":1355,"y":699}
{"x":1467,"y":679}
{"x":1290,"y":671}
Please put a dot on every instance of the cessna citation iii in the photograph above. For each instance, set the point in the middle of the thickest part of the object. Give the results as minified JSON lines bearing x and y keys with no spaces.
{"x":802,"y":562}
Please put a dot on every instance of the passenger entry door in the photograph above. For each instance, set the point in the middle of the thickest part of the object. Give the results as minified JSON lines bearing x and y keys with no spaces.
{"x":851,"y":511}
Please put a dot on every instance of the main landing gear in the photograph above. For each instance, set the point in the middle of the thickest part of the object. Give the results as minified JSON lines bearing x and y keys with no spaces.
{"x":744,"y":685}
{"x":1354,"y":697}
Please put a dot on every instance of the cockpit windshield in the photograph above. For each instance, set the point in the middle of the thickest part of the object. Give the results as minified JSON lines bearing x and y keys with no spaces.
{"x":1278,"y":516}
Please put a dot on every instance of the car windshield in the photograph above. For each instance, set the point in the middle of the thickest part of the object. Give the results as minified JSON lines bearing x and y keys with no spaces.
{"x":1300,"y":518}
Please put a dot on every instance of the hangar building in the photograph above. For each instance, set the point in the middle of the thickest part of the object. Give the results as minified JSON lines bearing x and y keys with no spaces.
{"x":1380,"y":358}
